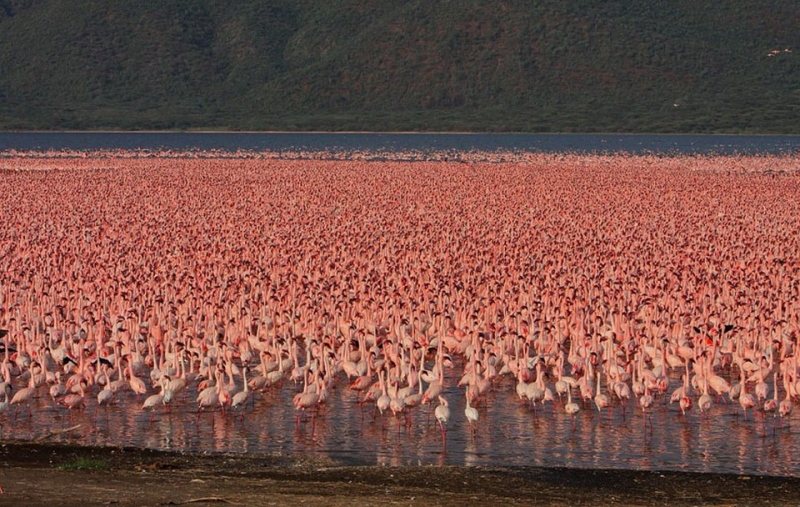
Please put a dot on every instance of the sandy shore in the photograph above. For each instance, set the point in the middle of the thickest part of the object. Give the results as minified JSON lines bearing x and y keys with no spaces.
{"x":35,"y":474}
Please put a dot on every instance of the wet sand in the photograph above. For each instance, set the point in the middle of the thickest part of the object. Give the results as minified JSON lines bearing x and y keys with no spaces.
{"x":43,"y":474}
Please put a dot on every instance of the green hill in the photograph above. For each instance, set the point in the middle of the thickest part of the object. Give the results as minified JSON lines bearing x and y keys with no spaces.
{"x":547,"y":65}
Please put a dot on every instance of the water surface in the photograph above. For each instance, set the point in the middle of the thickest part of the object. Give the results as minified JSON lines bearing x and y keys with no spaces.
{"x":509,"y":432}
{"x":410,"y":142}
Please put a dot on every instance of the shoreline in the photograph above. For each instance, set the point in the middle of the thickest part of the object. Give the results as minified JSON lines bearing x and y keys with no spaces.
{"x":404,"y":132}
{"x":34,"y":473}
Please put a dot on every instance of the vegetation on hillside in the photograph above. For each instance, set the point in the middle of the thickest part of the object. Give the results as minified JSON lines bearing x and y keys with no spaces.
{"x":512,"y":65}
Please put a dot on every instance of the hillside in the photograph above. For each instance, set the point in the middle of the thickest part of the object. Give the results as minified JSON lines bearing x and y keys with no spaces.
{"x":677,"y":66}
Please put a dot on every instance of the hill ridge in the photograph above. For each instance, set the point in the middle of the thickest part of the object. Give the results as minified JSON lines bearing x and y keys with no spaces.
{"x":458,"y":65}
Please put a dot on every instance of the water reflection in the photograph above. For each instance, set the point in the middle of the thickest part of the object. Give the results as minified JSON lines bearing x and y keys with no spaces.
{"x":508,"y":433}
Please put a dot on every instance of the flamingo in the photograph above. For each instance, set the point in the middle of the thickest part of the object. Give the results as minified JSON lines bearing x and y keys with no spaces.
{"x":24,"y":397}
{"x":383,"y":401}
{"x":153,"y":401}
{"x":412,"y":400}
{"x":137,"y":385}
{"x":771,"y":405}
{"x":5,"y":388}
{"x":785,"y":407}
{"x":746,"y":400}
{"x":471,"y":413}
{"x":397,"y":402}
{"x":761,"y":389}
{"x":74,"y":400}
{"x":706,"y":401}
{"x":241,"y":398}
{"x":58,"y":389}
{"x":601,"y":400}
{"x":4,"y":404}
{"x":178,"y":384}
{"x":209,"y":397}
{"x":561,"y":384}
{"x":205,"y":288}
{"x":683,"y":394}
{"x":571,"y":408}
{"x":306,"y":399}
{"x":646,"y":403}
{"x":434,"y":384}
{"x":104,"y":397}
{"x":442,"y":414}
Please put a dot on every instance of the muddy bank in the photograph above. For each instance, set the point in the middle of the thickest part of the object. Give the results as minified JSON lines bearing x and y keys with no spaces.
{"x":36,"y":474}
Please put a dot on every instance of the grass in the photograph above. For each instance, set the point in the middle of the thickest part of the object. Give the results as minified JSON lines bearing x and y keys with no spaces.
{"x":83,"y":463}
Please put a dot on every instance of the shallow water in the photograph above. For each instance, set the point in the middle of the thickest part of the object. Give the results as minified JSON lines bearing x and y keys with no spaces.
{"x":508,"y":433}
{"x":388,"y":143}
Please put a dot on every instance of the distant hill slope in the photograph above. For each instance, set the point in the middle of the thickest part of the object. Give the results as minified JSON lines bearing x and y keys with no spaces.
{"x":547,"y":65}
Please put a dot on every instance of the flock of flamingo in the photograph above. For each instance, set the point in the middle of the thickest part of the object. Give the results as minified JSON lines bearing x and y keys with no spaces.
{"x":595,"y":282}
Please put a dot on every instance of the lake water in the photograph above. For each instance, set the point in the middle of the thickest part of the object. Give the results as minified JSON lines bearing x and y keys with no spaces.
{"x":422,"y":143}
{"x":509,"y":433}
